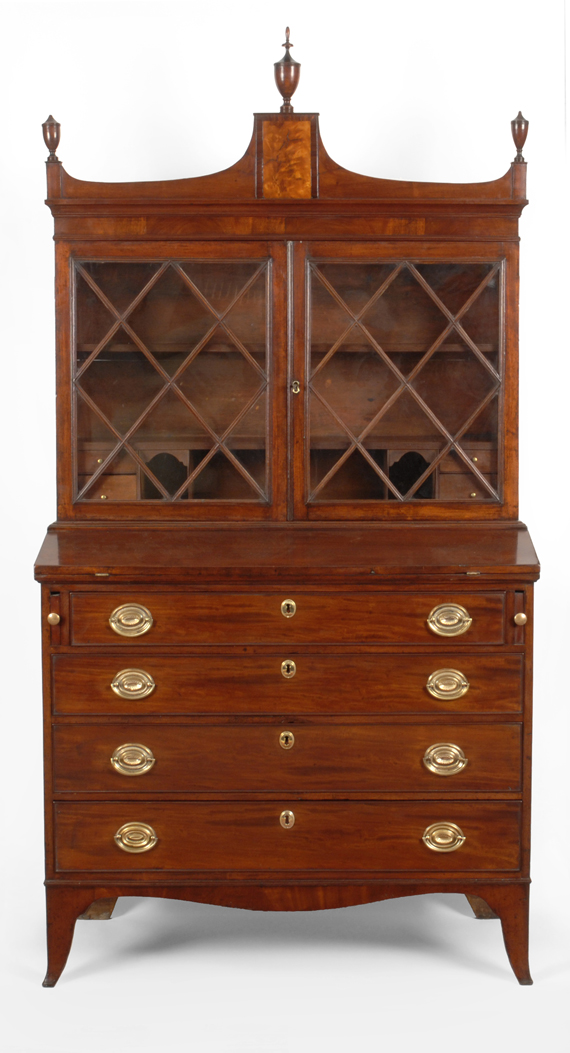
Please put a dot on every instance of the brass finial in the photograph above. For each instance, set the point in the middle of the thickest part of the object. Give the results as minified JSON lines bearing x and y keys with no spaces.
{"x":287,"y":73}
{"x":51,"y":129}
{"x":519,"y":128}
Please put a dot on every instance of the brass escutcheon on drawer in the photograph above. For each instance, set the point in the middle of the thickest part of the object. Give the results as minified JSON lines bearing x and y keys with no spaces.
{"x":132,"y":758}
{"x":443,"y":837}
{"x":288,"y":608}
{"x":131,"y":619}
{"x":447,"y":684}
{"x":444,"y":758}
{"x":286,"y":740}
{"x":288,"y":668}
{"x":287,"y":819}
{"x":133,"y":683}
{"x":135,"y":837}
{"x":449,"y":619}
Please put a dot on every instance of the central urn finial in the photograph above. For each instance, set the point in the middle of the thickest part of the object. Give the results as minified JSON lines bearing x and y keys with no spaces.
{"x":287,"y":73}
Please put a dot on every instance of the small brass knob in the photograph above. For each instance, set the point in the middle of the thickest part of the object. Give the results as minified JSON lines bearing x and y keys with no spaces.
{"x":53,"y":618}
{"x":449,"y":619}
{"x":287,"y":819}
{"x":286,"y":740}
{"x":444,"y":758}
{"x":443,"y":837}
{"x":132,"y":759}
{"x":520,"y":619}
{"x":135,"y":837}
{"x":288,"y":668}
{"x":133,"y":683}
{"x":131,"y":619}
{"x":447,"y":684}
{"x":288,"y":608}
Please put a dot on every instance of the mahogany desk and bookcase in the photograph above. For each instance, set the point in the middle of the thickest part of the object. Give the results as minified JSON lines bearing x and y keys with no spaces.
{"x":287,"y":602}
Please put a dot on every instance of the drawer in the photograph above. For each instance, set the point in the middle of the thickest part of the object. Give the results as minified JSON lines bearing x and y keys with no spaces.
{"x":353,"y":836}
{"x":272,"y":758}
{"x":218,"y":618}
{"x":484,"y":459}
{"x":355,"y":684}
{"x":461,"y":486}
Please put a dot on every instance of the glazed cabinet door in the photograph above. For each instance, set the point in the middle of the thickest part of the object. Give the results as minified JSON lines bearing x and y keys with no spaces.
{"x":177,"y":381}
{"x":401,"y":368}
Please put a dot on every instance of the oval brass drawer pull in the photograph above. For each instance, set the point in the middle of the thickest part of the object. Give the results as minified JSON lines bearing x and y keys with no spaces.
{"x":444,"y":758}
{"x":131,"y":619}
{"x":288,"y":668}
{"x":135,"y":837}
{"x":133,"y":683}
{"x":287,"y":819}
{"x":443,"y":837}
{"x":132,"y":758}
{"x":288,"y":608}
{"x":447,"y":684}
{"x":449,"y":619}
{"x":286,"y":740}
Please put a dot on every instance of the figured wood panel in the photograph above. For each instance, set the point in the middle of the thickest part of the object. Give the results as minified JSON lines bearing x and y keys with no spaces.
{"x":336,"y":757}
{"x":287,"y":159}
{"x":325,"y":684}
{"x":256,"y":617}
{"x":351,"y":836}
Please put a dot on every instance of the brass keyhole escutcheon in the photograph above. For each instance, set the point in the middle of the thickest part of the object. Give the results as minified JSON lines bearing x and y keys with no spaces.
{"x":288,"y":668}
{"x":287,"y":819}
{"x":295,"y":387}
{"x":288,"y":608}
{"x":286,"y":740}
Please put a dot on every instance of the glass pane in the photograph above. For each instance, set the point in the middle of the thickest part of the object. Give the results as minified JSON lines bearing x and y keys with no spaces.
{"x":355,"y":283}
{"x":118,"y":482}
{"x":172,"y":425}
{"x":121,"y":383}
{"x":405,"y":424}
{"x":355,"y":480}
{"x":328,"y":319}
{"x":248,"y":318}
{"x":220,"y":480}
{"x":404,"y":318}
{"x":220,"y":282}
{"x":220,"y":382}
{"x":454,"y":283}
{"x":356,"y":384}
{"x":481,"y":321}
{"x":325,"y":432}
{"x":93,"y":320}
{"x":121,"y":282}
{"x":170,"y":467}
{"x":171,"y":320}
{"x":453,"y":383}
{"x":485,"y":427}
{"x":247,"y":442}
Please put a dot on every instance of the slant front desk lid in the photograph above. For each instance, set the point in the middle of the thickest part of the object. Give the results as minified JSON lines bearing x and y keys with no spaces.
{"x":297,"y":552}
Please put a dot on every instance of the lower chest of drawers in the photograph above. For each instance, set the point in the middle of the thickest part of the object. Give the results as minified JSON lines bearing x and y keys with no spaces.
{"x":365,"y":719}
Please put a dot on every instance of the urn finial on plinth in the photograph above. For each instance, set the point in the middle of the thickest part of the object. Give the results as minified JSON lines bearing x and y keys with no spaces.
{"x":519,"y":128}
{"x":51,"y":129}
{"x":287,"y":73}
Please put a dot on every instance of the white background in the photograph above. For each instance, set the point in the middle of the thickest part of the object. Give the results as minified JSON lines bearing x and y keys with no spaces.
{"x":416,"y":90}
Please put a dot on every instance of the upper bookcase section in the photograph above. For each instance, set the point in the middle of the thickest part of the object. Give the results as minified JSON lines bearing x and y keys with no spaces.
{"x":284,"y":170}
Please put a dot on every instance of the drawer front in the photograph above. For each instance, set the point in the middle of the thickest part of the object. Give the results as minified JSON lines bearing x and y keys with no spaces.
{"x":258,"y":684}
{"x":219,"y":618}
{"x":375,"y":758}
{"x":327,"y":835}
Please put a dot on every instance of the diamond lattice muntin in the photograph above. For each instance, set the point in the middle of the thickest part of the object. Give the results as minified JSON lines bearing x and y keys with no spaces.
{"x":405,"y":378}
{"x":170,"y":380}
